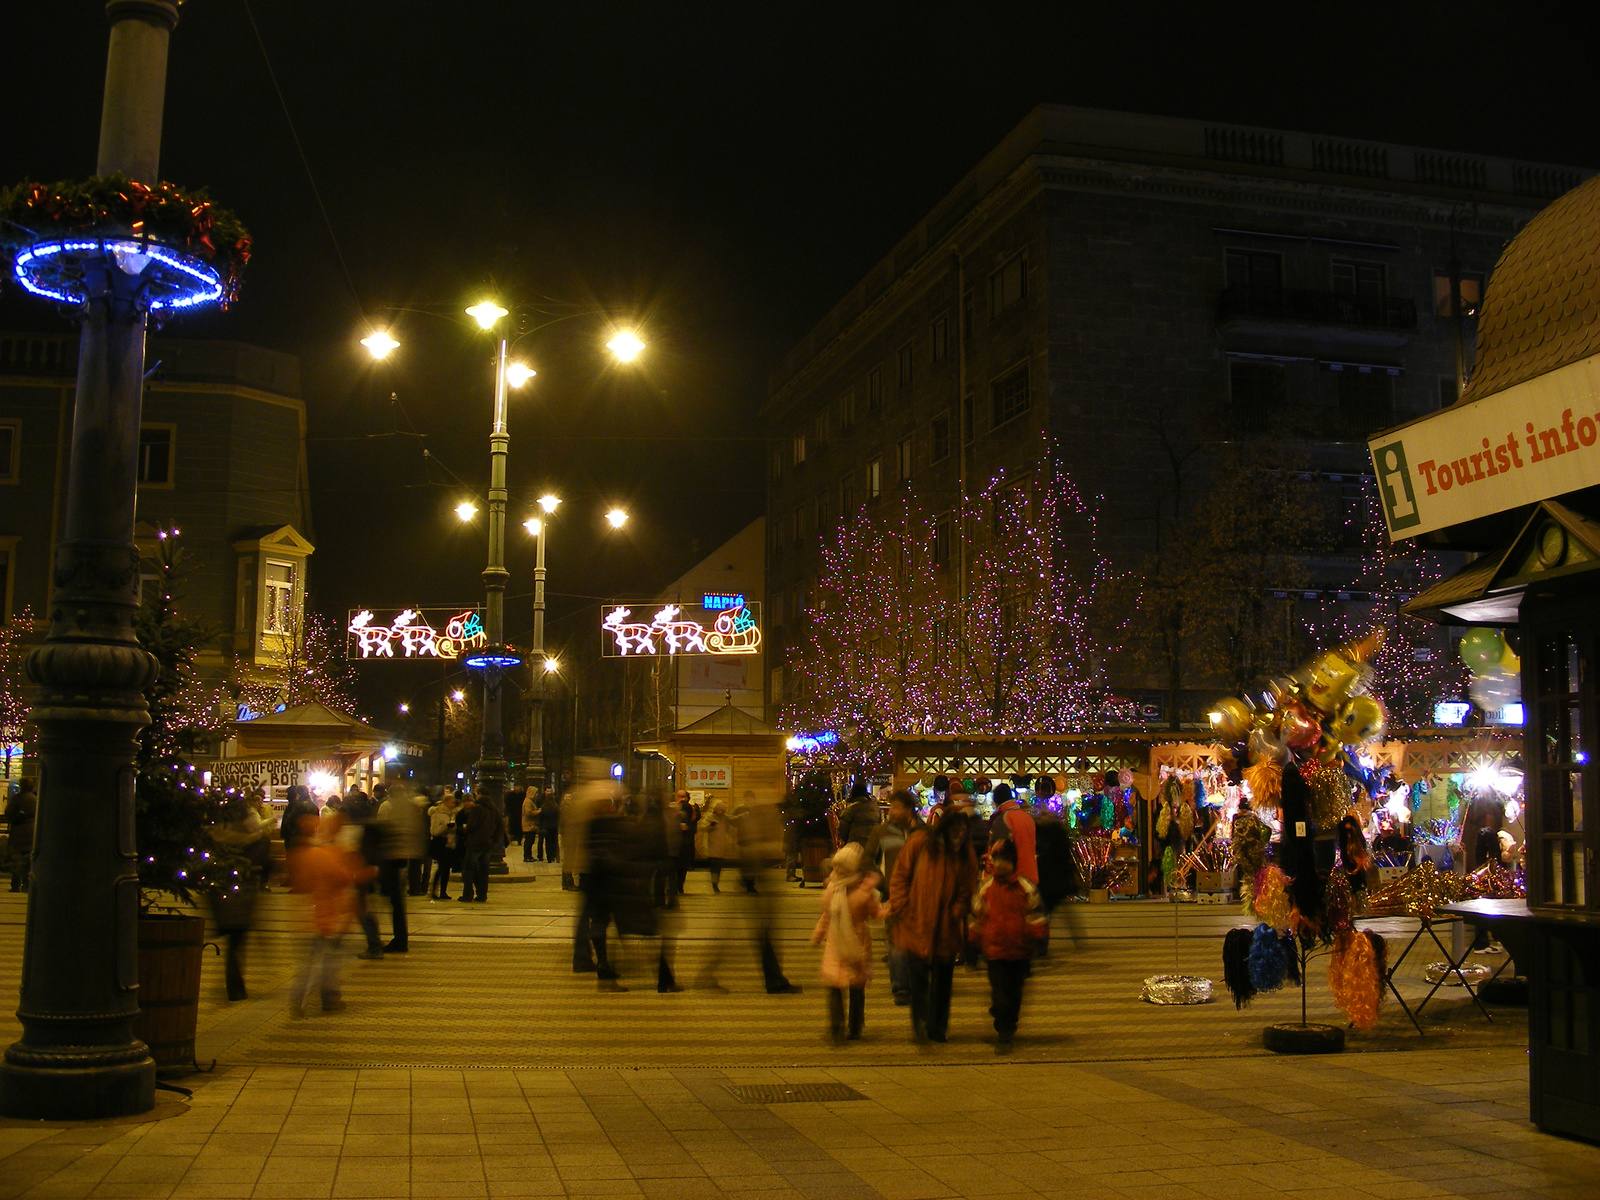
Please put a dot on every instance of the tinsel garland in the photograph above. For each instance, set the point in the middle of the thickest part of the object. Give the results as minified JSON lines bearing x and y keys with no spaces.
{"x":1493,"y":881}
{"x":1268,"y":966}
{"x":1355,"y":979}
{"x":1269,"y":897}
{"x":1337,"y":904}
{"x":1265,"y":780}
{"x":1420,"y":893}
{"x":1330,"y":796}
{"x":1251,"y":836}
{"x":1236,"y":966}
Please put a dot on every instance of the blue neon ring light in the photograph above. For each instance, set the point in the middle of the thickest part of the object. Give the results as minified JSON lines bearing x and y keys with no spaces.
{"x":172,"y":279}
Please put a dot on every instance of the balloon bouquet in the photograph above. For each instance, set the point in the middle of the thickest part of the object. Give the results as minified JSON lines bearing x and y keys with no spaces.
{"x":1496,"y":670}
{"x":1301,"y":741}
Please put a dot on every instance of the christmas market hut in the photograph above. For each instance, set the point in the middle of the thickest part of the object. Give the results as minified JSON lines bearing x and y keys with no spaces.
{"x":722,"y":756}
{"x":1511,"y":472}
{"x":309,"y":744}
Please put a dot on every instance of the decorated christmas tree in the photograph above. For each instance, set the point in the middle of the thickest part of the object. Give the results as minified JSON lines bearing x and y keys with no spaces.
{"x":13,"y":685}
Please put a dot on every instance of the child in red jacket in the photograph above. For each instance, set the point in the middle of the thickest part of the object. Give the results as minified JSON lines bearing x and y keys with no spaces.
{"x":1007,"y":924}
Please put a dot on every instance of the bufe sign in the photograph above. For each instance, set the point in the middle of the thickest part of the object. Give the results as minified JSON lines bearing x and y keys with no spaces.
{"x":1528,"y":443}
{"x":708,"y":775}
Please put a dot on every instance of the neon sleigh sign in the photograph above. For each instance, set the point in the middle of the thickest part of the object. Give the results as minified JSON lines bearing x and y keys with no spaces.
{"x":415,"y":633}
{"x":670,"y":632}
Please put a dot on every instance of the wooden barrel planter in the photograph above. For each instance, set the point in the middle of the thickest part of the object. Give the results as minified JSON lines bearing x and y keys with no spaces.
{"x":170,"y":948}
{"x":814,"y":859}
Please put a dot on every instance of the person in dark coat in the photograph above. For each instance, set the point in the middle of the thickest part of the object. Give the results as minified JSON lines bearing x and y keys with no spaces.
{"x":549,"y":849}
{"x":22,"y":811}
{"x":687,"y":819}
{"x":860,"y":817}
{"x":300,"y":804}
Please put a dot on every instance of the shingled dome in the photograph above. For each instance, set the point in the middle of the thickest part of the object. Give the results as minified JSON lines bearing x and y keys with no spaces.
{"x":1542,"y":310}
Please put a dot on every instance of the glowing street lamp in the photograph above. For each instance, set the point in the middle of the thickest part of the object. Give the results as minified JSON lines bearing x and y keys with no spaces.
{"x":549,"y":503}
{"x":466,"y":510}
{"x":518,"y":374}
{"x":552,"y":665}
{"x":534,"y":526}
{"x":625,"y":345}
{"x":458,"y":695}
{"x":486,"y":313}
{"x":617,"y":518}
{"x":379,"y":344}
{"x":405,"y":708}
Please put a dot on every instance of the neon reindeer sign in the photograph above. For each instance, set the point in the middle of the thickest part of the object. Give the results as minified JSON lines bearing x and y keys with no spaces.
{"x":673,"y":631}
{"x":416,"y":632}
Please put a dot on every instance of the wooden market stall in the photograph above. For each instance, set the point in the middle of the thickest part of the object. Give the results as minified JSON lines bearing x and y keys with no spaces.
{"x":294,"y":746}
{"x":722,"y":756}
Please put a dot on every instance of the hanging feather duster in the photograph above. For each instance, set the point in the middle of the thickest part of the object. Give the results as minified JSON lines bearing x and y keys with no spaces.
{"x":1337,"y":904}
{"x":1265,"y":780}
{"x":1330,"y":796}
{"x":1186,"y":820}
{"x":1270,"y":897}
{"x":1291,"y":958}
{"x":1354,"y":980}
{"x":1236,"y":966}
{"x":1186,"y":790}
{"x":1250,"y":838}
{"x":1268,"y":967}
{"x":1108,"y":813}
{"x":1169,"y":867}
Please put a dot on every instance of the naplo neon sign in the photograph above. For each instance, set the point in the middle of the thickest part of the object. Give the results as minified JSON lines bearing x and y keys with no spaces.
{"x":444,"y":633}
{"x":677,"y":630}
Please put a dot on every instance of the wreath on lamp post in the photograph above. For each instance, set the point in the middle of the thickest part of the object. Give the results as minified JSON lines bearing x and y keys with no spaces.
{"x":164,"y":214}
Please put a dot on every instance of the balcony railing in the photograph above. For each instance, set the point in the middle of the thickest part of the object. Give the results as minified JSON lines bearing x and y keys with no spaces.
{"x":1321,"y":308}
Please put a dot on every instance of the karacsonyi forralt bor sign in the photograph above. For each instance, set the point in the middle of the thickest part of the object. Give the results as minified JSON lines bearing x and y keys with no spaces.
{"x":1527,"y":443}
{"x":268,"y":772}
{"x":414,"y":633}
{"x":679,"y":629}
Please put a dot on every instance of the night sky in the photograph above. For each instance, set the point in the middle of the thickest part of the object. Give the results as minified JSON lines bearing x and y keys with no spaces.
{"x":717,"y":175}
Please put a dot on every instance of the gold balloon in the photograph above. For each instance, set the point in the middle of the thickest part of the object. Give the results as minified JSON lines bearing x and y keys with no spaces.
{"x":1332,"y":676}
{"x":1231,"y":719}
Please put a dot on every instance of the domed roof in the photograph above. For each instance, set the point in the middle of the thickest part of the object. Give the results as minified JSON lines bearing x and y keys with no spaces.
{"x":1542,"y":310}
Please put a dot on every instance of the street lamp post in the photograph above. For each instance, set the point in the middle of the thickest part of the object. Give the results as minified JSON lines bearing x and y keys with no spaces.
{"x":77,"y":1057}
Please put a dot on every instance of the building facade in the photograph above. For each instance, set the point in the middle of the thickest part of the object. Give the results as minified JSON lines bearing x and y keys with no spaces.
{"x":222,"y":460}
{"x":1123,"y":296}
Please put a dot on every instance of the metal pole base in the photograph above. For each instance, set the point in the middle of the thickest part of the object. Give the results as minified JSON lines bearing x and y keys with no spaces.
{"x":71,"y":1083}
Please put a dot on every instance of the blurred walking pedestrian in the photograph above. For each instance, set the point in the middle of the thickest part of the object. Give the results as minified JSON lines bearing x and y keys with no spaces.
{"x":403,"y":838}
{"x":300,"y":804}
{"x":241,"y":833}
{"x":589,"y":799}
{"x":718,"y":831}
{"x":761,"y":851}
{"x":321,"y":867}
{"x":442,"y":843}
{"x":849,"y":901}
{"x":1012,"y":823}
{"x":687,"y":818}
{"x":363,"y":835}
{"x":1008,"y":922}
{"x":883,"y":850}
{"x":934,"y":878}
{"x":530,"y":822}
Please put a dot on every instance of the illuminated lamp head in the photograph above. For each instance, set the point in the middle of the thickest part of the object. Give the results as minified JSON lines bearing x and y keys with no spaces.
{"x":625,"y":345}
{"x":486,"y":313}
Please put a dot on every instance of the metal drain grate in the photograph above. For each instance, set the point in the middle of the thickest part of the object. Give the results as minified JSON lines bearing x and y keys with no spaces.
{"x":794,"y":1093}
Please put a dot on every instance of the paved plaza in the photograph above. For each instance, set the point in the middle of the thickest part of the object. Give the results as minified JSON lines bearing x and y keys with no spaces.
{"x":479,"y":1065}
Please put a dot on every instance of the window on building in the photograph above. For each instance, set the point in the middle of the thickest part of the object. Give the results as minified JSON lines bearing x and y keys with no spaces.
{"x":1256,"y":272}
{"x":1359,"y":278}
{"x":903,"y":460}
{"x":939,"y":439}
{"x":776,"y":685}
{"x":968,"y":412}
{"x":969,"y":306}
{"x":10,"y":451}
{"x":799,"y":448}
{"x":1366,"y":402}
{"x":908,"y":355}
{"x":1009,"y":394}
{"x":1257,"y":396}
{"x":939,"y":338}
{"x":875,"y":390}
{"x":799,"y":519}
{"x":280,"y":614}
{"x":5,"y":585}
{"x":777,"y":464}
{"x":847,"y":411}
{"x":1471,"y":295}
{"x":775,"y":609}
{"x":941,"y":540}
{"x":1008,"y":285}
{"x":819,"y":432}
{"x":155,"y":454}
{"x":875,"y":479}
{"x":847,"y":494}
{"x":824,"y":511}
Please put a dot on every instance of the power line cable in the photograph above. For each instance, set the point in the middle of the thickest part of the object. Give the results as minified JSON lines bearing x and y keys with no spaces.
{"x":305,"y":162}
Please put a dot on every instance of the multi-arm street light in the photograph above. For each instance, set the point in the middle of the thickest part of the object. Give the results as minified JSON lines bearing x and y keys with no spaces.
{"x":495,"y":657}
